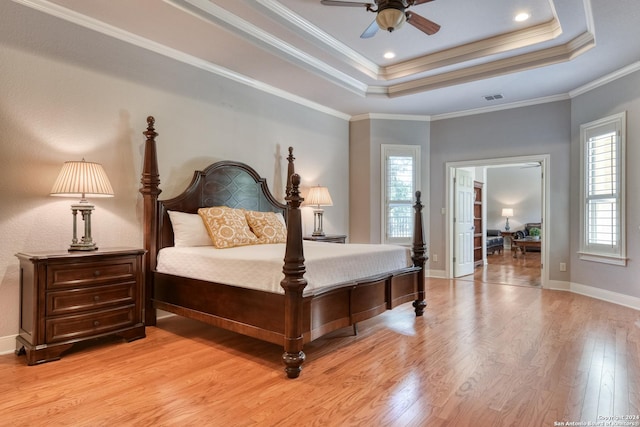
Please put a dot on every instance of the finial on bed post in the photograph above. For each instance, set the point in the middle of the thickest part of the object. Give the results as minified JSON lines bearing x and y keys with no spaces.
{"x":150,"y":190}
{"x":419,"y":257}
{"x":293,"y":283}
{"x":290,"y":171}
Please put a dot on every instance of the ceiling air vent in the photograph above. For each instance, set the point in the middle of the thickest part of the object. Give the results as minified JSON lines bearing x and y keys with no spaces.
{"x":493,"y":97}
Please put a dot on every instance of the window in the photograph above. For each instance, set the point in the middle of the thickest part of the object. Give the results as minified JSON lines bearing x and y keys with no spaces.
{"x":400,"y":174}
{"x":602,"y":214}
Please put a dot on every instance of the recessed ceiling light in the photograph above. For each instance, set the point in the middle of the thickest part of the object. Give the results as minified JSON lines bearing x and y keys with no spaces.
{"x":522,"y":17}
{"x":389,"y":55}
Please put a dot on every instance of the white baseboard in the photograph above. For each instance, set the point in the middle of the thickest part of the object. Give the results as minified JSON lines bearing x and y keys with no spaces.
{"x":604,"y":295}
{"x":440,"y":274}
{"x":8,"y":344}
{"x":559,"y":285}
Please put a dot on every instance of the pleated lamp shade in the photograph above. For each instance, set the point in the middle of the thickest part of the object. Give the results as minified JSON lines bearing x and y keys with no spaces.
{"x":85,"y":178}
{"x":318,"y":196}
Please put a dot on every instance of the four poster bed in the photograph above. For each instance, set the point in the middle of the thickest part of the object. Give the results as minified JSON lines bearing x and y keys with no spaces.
{"x":307,"y":304}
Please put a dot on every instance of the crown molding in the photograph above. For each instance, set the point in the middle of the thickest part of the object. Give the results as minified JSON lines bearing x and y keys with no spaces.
{"x":377,"y":116}
{"x":471,"y":51}
{"x":549,"y":56}
{"x":631,"y":68}
{"x":288,"y":18}
{"x":478,"y":49}
{"x":508,"y":106}
{"x":209,"y":12}
{"x":133,"y":39}
{"x":562,"y":53}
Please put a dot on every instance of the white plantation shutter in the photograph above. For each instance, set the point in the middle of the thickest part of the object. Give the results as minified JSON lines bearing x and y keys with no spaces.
{"x":603,"y":193}
{"x":400,"y":176}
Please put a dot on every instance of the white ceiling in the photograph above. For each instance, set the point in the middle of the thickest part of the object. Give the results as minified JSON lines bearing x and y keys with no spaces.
{"x":312,"y":53}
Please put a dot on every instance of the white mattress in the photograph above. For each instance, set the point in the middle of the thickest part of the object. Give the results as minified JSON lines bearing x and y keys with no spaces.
{"x":260,"y":266}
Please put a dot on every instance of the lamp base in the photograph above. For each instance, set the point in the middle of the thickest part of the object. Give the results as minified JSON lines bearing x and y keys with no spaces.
{"x":85,"y":243}
{"x":82,"y":247}
{"x":317,"y":222}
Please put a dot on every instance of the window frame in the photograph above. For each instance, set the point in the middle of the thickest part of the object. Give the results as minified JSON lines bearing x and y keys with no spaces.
{"x":591,"y":251}
{"x":388,"y":150}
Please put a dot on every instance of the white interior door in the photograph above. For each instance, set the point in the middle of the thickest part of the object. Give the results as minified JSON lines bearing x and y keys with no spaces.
{"x":463,"y":224}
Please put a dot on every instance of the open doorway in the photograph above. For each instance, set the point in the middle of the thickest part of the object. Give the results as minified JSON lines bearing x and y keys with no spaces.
{"x":521,"y":262}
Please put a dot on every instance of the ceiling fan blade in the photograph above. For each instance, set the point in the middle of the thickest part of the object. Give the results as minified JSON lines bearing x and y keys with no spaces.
{"x":423,"y":24}
{"x":371,"y":30}
{"x":412,"y":2}
{"x":346,"y":3}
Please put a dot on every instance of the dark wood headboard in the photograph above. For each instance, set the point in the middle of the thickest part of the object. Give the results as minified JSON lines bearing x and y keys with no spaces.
{"x":224,"y":183}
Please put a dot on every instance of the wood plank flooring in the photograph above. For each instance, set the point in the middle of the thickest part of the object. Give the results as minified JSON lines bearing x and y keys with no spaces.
{"x":506,"y":269}
{"x":482,"y":355}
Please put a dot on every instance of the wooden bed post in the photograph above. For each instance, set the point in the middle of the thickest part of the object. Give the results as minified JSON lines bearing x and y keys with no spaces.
{"x":419,"y":258}
{"x":293,"y":283}
{"x":150,"y":191}
{"x":290,"y":171}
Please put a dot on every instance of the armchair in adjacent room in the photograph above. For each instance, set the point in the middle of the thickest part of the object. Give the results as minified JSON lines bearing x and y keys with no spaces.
{"x":495,"y":241}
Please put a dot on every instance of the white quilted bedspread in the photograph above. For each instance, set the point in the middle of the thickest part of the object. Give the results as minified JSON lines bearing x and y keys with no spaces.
{"x":260,"y":266}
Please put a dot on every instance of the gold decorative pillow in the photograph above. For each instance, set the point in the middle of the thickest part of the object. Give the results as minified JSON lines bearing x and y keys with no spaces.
{"x":267,"y":226}
{"x":227,"y":227}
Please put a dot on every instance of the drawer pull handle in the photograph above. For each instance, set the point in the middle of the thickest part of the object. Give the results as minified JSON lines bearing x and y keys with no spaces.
{"x":96,"y":273}
{"x":96,"y":323}
{"x":96,"y":298}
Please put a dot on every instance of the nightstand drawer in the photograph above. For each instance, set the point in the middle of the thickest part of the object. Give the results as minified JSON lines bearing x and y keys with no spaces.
{"x":87,"y":274}
{"x":90,"y":324}
{"x":83,"y":299}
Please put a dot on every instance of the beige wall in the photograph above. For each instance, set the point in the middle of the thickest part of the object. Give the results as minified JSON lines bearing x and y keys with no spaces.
{"x":69,"y":93}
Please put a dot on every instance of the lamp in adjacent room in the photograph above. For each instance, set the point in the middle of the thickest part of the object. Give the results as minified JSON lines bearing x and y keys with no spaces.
{"x":318,"y":196}
{"x":84,"y":179}
{"x":507,"y":212}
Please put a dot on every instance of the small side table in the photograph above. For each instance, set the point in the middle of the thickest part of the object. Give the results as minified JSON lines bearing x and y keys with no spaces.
{"x":508,"y":235}
{"x":330,"y":238}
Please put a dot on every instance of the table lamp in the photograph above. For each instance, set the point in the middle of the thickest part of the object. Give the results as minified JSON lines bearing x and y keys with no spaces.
{"x":86,"y":179}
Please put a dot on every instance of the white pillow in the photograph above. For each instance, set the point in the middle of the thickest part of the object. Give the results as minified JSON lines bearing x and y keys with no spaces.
{"x":189,"y":230}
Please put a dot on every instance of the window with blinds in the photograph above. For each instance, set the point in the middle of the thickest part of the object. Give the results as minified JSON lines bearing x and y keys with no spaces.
{"x":400,"y":172}
{"x":602,"y":216}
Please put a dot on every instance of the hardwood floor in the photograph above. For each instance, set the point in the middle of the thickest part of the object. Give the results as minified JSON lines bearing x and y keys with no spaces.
{"x":506,"y":269}
{"x":482,"y":355}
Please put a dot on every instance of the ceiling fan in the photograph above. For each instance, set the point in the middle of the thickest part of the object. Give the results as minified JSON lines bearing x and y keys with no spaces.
{"x":390,"y":15}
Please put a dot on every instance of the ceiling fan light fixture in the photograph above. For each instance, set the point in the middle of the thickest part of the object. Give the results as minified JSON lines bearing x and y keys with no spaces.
{"x":390,"y":19}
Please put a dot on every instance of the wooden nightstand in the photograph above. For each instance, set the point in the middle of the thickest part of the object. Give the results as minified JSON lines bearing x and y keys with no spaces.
{"x":331,"y":238}
{"x":69,"y":297}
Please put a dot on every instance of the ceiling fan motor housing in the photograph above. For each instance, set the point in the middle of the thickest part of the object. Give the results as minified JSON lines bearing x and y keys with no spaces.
{"x":391,"y":14}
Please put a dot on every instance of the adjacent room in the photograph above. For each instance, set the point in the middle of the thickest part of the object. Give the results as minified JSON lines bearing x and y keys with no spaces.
{"x":286,"y":212}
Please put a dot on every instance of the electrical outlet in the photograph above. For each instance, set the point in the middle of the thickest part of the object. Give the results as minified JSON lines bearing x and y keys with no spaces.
{"x":435,"y":257}
{"x":563,"y":266}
